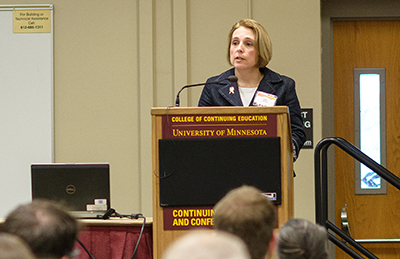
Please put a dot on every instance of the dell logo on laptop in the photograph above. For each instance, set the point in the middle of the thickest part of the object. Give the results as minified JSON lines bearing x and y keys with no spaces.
{"x":70,"y":189}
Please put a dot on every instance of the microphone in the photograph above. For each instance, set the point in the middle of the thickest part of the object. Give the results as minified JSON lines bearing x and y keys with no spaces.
{"x":231,"y":79}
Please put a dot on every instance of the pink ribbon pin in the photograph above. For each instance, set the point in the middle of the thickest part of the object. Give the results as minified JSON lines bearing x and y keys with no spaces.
{"x":231,"y":90}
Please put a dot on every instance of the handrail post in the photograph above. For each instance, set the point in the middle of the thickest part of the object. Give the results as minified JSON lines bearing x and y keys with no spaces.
{"x":324,"y":183}
{"x":317,"y":185}
{"x":321,"y":183}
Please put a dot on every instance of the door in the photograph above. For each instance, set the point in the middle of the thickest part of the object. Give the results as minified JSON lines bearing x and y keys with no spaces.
{"x":367,"y":44}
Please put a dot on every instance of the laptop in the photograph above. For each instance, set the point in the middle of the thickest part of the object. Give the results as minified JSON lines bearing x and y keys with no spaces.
{"x":83,"y":188}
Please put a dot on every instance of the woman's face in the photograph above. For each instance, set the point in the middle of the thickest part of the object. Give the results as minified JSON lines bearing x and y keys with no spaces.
{"x":242,"y":52}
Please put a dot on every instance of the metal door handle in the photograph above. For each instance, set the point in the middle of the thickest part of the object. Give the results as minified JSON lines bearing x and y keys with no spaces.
{"x":378,"y":240}
{"x":345,"y":223}
{"x":346,"y":229}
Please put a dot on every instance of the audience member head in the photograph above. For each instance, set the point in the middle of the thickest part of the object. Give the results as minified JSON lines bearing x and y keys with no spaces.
{"x":302,"y":239}
{"x":48,"y":229}
{"x":13,"y":247}
{"x":250,"y":215}
{"x":207,"y":244}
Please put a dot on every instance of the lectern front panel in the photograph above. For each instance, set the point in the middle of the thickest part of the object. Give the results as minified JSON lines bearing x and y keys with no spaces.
{"x":199,"y":172}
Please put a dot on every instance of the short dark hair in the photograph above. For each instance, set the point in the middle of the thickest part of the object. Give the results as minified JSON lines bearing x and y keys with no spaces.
{"x":48,"y":229}
{"x":246,"y":212}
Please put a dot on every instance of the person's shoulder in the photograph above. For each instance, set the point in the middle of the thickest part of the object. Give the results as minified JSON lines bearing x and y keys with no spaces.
{"x":275,"y":77}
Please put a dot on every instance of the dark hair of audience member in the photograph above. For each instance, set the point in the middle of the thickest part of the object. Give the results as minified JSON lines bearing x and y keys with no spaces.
{"x":48,"y":229}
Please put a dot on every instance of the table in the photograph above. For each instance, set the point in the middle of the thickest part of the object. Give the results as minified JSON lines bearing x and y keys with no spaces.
{"x":115,"y":238}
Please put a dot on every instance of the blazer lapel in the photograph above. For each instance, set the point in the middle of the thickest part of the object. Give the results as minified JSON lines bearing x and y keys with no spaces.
{"x":266,"y":86}
{"x":231,"y":93}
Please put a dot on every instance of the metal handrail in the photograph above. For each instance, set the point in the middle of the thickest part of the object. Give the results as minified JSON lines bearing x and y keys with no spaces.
{"x":321,"y":188}
{"x":351,"y":241}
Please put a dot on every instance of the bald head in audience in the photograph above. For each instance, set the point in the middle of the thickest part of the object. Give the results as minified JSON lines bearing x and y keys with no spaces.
{"x":207,"y":244}
{"x":13,"y":247}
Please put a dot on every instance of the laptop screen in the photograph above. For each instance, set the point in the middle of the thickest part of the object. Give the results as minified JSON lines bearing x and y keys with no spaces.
{"x":80,"y":187}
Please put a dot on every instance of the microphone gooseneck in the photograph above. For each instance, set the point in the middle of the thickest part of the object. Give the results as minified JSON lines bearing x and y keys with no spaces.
{"x":231,"y":79}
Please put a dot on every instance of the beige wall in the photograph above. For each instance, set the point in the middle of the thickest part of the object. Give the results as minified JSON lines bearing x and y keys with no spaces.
{"x":113,"y":61}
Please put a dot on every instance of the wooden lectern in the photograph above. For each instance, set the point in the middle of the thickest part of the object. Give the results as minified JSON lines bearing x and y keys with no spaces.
{"x":195,"y":127}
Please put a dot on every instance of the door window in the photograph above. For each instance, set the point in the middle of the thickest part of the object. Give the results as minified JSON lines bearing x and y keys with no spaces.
{"x":369,"y":121}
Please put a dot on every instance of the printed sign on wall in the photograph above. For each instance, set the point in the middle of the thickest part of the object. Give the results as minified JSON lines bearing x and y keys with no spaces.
{"x":307,"y":115}
{"x":28,"y":21}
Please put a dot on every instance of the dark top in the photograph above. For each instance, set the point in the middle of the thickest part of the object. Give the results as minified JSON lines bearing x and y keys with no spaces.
{"x":283,"y":87}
